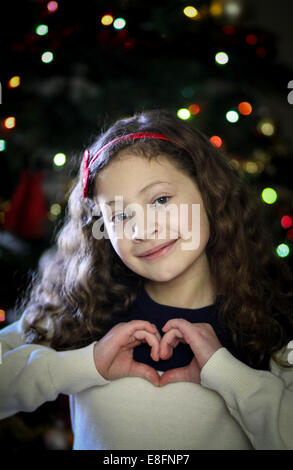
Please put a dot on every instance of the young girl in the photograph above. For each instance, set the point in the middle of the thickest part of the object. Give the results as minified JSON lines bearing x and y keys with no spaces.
{"x":181,"y":348}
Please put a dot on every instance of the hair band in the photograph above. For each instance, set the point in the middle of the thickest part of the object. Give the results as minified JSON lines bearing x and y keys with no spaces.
{"x":86,"y":156}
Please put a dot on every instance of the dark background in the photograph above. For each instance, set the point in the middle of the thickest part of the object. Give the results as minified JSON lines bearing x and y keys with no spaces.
{"x":161,"y":58}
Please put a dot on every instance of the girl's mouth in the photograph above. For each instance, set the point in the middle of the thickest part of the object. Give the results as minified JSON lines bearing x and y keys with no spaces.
{"x":162,"y":252}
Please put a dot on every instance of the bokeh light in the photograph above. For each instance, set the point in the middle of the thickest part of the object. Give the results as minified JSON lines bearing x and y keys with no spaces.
{"x":2,"y":145}
{"x":47,"y":57}
{"x":190,"y":11}
{"x":286,"y":221}
{"x":269,"y":195}
{"x":119,"y":23}
{"x":283,"y":250}
{"x":232,"y":116}
{"x":221,"y":58}
{"x":216,"y":140}
{"x":14,"y":82}
{"x":52,"y":6}
{"x":55,"y":209}
{"x":9,"y":122}
{"x":107,"y":20}
{"x":59,"y":159}
{"x":42,"y":29}
{"x":194,"y":108}
{"x":183,"y":113}
{"x":245,"y":108}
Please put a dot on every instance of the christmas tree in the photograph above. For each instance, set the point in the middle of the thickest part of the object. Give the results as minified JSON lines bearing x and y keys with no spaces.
{"x":69,"y":70}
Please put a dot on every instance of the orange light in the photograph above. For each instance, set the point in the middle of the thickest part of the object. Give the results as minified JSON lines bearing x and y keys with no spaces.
{"x":194,"y":108}
{"x":216,"y":140}
{"x":14,"y":82}
{"x":9,"y":122}
{"x":245,"y":108}
{"x":2,"y":315}
{"x":106,"y":20}
{"x":251,"y":39}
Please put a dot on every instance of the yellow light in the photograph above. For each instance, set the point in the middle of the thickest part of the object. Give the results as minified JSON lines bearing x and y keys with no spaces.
{"x":14,"y":82}
{"x":269,"y":195}
{"x":59,"y":159}
{"x":191,"y":12}
{"x":216,"y":8}
{"x":9,"y":122}
{"x":55,"y":209}
{"x":267,"y":128}
{"x":251,"y":167}
{"x":183,"y":113}
{"x":107,"y":20}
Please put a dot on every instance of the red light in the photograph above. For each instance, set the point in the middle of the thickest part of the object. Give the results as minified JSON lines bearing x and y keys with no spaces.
{"x":194,"y":108}
{"x":228,"y":29}
{"x":245,"y":108}
{"x":261,"y":51}
{"x":251,"y":39}
{"x":216,"y":140}
{"x":286,"y":221}
{"x":290,"y":234}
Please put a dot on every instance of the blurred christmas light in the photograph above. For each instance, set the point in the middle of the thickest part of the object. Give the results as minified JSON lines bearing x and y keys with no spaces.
{"x":2,"y":317}
{"x":183,"y":113}
{"x":283,"y":250}
{"x":269,"y":195}
{"x":266,"y":127}
{"x":190,"y":11}
{"x":47,"y":57}
{"x":232,"y":8}
{"x":251,"y":167}
{"x":59,"y":159}
{"x":221,"y":58}
{"x":52,"y":6}
{"x":290,"y":234}
{"x":251,"y":39}
{"x":228,"y":29}
{"x":55,"y":209}
{"x":194,"y":108}
{"x":14,"y":82}
{"x":119,"y":23}
{"x":216,"y":8}
{"x":232,"y":116}
{"x":187,"y":91}
{"x":42,"y":29}
{"x":261,"y":52}
{"x":286,"y":221}
{"x":245,"y":108}
{"x":216,"y":140}
{"x":2,"y":145}
{"x":9,"y":122}
{"x":107,"y":20}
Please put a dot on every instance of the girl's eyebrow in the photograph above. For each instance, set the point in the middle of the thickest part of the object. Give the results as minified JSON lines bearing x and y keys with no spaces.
{"x":144,"y":189}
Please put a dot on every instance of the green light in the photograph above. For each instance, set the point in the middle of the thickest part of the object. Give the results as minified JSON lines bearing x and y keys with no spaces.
{"x":183,"y":113}
{"x":232,"y":116}
{"x":47,"y":57}
{"x":119,"y":23}
{"x":269,"y":195}
{"x":283,"y":250}
{"x":42,"y":29}
{"x":59,"y":159}
{"x":2,"y":145}
{"x":221,"y":58}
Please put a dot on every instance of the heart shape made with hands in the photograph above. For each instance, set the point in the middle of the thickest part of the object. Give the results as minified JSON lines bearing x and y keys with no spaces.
{"x":202,"y":340}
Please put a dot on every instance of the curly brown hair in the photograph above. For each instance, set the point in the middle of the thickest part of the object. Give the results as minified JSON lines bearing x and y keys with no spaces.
{"x":84,"y":283}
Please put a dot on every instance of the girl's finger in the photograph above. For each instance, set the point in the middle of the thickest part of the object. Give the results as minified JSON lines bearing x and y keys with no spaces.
{"x":152,"y":341}
{"x":170,"y":340}
{"x":138,"y":369}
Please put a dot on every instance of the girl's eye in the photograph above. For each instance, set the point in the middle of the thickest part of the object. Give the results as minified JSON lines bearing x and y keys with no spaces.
{"x":115,"y":218}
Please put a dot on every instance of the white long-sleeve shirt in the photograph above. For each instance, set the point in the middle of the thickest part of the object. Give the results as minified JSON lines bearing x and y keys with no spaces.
{"x":234,"y":406}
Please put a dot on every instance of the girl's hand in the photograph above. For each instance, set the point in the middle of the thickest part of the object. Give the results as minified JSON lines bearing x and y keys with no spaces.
{"x":113,"y":354}
{"x":201,"y":338}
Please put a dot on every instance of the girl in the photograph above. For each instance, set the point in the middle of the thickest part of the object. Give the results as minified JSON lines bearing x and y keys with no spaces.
{"x":164,"y":335}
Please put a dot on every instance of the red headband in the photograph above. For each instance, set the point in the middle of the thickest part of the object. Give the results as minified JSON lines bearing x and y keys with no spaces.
{"x":86,"y":156}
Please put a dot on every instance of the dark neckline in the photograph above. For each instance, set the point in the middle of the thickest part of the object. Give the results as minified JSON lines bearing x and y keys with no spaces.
{"x":171,"y":307}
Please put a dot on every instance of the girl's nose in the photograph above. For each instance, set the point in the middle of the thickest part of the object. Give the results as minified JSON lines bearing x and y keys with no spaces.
{"x":143,"y":228}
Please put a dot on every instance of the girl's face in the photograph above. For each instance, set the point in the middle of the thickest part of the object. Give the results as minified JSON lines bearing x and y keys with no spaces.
{"x":161,"y":204}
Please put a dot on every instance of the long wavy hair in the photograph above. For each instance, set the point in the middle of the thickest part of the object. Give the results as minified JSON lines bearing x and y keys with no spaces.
{"x":82,"y":283}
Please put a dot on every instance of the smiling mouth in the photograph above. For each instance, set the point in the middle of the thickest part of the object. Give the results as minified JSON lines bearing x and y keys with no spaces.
{"x":161,"y":251}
